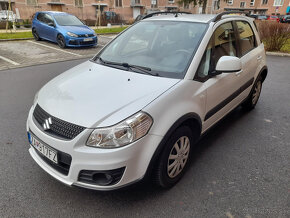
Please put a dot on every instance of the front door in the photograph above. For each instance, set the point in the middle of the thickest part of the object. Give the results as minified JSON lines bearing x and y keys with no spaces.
{"x":222,"y":90}
{"x":136,"y":12}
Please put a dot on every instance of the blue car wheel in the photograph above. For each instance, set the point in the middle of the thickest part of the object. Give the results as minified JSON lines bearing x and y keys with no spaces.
{"x":61,"y":41}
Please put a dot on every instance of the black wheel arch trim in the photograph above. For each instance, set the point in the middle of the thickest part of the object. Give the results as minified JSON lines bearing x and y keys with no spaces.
{"x":265,"y":68}
{"x":177,"y":123}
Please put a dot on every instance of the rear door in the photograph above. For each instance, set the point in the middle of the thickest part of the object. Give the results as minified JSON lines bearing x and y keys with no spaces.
{"x":250,"y":54}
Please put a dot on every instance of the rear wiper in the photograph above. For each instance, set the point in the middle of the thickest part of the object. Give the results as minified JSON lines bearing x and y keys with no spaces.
{"x":141,"y":68}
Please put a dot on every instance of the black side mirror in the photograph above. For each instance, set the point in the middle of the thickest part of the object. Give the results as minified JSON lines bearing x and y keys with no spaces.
{"x":51,"y":24}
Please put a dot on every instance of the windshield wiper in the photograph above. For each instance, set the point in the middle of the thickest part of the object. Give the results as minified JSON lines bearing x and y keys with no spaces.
{"x":129,"y":66}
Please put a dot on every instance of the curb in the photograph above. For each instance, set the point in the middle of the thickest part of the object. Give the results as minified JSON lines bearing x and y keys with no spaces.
{"x":280,"y":54}
{"x":7,"y":40}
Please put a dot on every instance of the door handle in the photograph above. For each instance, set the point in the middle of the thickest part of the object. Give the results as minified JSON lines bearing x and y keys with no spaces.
{"x":259,"y":58}
{"x":239,"y":72}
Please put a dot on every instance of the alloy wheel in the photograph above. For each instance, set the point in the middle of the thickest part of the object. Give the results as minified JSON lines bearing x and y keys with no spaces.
{"x":178,"y":156}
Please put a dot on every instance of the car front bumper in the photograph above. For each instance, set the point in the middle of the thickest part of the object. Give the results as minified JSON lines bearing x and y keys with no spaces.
{"x":80,"y":41}
{"x":133,"y":158}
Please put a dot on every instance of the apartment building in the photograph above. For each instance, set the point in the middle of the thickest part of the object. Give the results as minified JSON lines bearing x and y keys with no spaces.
{"x":130,"y":9}
{"x":267,"y":7}
{"x":88,"y":9}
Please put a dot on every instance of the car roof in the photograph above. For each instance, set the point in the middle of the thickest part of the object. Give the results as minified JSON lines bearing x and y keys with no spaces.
{"x":199,"y":18}
{"x":202,"y":18}
{"x":54,"y":12}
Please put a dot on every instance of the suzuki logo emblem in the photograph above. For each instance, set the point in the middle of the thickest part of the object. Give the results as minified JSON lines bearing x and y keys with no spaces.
{"x":47,"y":123}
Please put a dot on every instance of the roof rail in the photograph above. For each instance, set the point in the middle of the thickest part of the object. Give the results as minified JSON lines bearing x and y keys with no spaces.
{"x":165,"y":12}
{"x":219,"y":16}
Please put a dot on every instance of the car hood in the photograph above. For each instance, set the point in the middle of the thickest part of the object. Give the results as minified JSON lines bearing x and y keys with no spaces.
{"x":78,"y":29}
{"x":93,"y":95}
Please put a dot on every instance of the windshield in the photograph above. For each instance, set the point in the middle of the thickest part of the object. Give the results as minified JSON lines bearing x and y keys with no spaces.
{"x":67,"y":20}
{"x":164,"y":47}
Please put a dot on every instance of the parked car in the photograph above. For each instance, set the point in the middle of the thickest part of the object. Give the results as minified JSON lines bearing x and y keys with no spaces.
{"x":5,"y":14}
{"x":138,"y":107}
{"x":63,"y":28}
{"x":285,"y":19}
{"x":262,"y":17}
{"x":273,"y":18}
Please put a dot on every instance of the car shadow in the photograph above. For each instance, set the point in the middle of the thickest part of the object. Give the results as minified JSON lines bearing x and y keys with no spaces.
{"x":54,"y":44}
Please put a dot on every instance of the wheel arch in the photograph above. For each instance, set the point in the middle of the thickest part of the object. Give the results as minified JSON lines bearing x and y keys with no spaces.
{"x":191,"y":120}
{"x":263,"y":73}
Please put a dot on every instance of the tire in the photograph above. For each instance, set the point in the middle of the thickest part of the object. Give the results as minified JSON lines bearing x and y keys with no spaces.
{"x":35,"y":35}
{"x":254,"y":95}
{"x":60,"y":41}
{"x":165,"y":175}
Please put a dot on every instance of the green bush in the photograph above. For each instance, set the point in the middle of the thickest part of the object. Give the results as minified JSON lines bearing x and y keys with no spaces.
{"x":275,"y":35}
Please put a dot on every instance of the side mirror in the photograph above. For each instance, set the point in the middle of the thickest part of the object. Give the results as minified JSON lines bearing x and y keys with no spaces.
{"x":51,"y":24}
{"x":228,"y":64}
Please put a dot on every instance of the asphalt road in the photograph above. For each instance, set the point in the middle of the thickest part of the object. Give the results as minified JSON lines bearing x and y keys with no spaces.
{"x":240,"y":169}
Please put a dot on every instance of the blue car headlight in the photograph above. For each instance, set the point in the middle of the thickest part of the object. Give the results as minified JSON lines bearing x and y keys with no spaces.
{"x":72,"y":34}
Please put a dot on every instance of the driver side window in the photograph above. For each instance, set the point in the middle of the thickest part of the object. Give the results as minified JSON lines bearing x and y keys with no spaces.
{"x":222,"y":43}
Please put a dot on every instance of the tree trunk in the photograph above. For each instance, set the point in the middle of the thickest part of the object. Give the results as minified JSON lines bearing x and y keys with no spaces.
{"x":204,"y":6}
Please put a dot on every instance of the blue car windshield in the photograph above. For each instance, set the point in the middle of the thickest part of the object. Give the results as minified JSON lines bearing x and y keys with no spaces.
{"x":67,"y":20}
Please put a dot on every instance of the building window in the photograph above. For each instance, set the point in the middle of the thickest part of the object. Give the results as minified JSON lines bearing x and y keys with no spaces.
{"x":242,"y":4}
{"x":118,"y":3}
{"x":252,"y":3}
{"x":32,"y":2}
{"x":216,"y":5}
{"x":278,"y":2}
{"x":264,"y":2}
{"x":79,"y":3}
{"x":186,"y":5}
{"x":230,"y":2}
{"x":170,"y":1}
{"x":135,"y":2}
{"x":154,"y":4}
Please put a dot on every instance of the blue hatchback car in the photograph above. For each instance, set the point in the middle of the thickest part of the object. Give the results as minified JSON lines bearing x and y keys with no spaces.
{"x":63,"y":28}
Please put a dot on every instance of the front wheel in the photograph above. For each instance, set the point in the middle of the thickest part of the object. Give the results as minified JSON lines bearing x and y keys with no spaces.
{"x":61,"y":41}
{"x":253,"y":98}
{"x":174,"y":158}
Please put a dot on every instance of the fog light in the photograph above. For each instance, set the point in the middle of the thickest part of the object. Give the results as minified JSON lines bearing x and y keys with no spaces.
{"x":102,"y":178}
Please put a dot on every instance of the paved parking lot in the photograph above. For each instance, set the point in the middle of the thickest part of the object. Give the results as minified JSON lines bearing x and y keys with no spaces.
{"x":240,"y":169}
{"x":15,"y":54}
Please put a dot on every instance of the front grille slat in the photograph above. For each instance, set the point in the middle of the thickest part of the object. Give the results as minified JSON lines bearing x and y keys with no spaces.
{"x":58,"y":128}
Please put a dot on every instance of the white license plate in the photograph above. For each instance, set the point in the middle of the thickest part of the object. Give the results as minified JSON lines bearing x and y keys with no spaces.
{"x":43,"y":149}
{"x":88,"y":39}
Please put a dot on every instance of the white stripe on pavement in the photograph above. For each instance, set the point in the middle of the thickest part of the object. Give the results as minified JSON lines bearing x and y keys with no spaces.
{"x":8,"y":60}
{"x":56,"y":48}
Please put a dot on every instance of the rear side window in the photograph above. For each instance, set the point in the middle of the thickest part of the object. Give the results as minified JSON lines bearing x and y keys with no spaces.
{"x":222,"y":43}
{"x":247,"y":37}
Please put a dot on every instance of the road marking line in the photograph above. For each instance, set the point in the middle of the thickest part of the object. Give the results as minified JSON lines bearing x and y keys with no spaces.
{"x":55,"y":48}
{"x":8,"y":60}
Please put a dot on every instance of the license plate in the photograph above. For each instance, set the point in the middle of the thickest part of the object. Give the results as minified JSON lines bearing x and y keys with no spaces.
{"x":43,"y":149}
{"x":88,"y":39}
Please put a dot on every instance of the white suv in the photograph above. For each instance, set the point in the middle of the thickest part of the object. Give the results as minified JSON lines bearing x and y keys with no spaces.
{"x":139,"y":106}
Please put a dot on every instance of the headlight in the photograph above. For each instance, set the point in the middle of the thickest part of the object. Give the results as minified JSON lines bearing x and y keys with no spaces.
{"x":121,"y":134}
{"x":72,"y":34}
